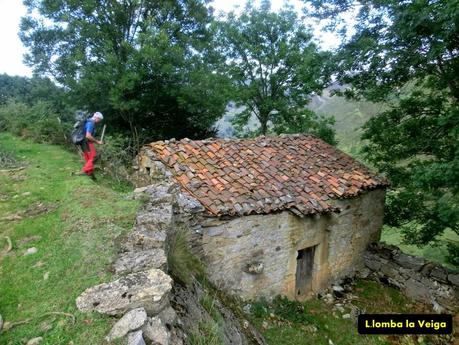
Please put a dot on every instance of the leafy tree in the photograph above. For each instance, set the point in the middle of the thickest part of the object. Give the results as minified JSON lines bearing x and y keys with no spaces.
{"x":407,"y":53}
{"x":307,"y":121}
{"x":145,"y":64}
{"x":31,"y":91}
{"x":273,"y":65}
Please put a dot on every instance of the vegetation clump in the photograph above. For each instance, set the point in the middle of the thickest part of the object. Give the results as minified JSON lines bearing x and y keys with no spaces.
{"x":184,"y":266}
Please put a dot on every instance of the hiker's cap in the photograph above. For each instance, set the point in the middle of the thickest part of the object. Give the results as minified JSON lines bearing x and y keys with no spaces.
{"x":98,"y":115}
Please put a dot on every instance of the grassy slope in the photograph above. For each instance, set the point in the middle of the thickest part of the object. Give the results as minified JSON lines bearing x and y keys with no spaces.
{"x":437,"y":253}
{"x":349,"y":116}
{"x":75,"y":247}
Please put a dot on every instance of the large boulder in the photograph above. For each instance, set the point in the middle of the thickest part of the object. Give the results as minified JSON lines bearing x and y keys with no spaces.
{"x":453,"y":279}
{"x":156,"y":332}
{"x":141,"y":260}
{"x":168,"y":316}
{"x":131,"y":321}
{"x":149,"y":289}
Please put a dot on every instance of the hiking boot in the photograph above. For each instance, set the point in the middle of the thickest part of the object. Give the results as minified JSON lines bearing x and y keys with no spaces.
{"x":92,"y":177}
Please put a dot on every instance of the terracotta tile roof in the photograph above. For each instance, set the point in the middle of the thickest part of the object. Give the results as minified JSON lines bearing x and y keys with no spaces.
{"x":266,"y":174}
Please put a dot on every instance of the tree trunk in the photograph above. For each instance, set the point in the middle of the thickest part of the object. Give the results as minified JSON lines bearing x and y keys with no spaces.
{"x":264,"y":127}
{"x":263,"y":118}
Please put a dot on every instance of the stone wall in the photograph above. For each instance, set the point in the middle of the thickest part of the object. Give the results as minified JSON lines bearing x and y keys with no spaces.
{"x":352,"y":230}
{"x":142,"y":288}
{"x":256,"y":255}
{"x":419,"y":279}
{"x":155,"y":310}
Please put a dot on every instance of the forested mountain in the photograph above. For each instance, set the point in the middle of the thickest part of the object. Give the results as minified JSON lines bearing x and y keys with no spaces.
{"x":349,"y":117}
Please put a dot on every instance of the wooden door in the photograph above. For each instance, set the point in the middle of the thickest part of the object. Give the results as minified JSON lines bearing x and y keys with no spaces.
{"x":304,"y":267}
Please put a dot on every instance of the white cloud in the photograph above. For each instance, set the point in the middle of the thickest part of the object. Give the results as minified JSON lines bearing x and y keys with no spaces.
{"x":229,"y":5}
{"x":11,"y":57}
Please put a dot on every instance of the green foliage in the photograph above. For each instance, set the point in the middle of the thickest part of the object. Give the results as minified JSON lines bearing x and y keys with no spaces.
{"x":38,"y":122}
{"x":147,"y":65}
{"x":32,"y":90}
{"x":396,"y":42}
{"x":184,"y":266}
{"x":453,"y":254}
{"x":11,"y":117}
{"x":307,"y":121}
{"x":284,"y":322}
{"x":290,"y":310}
{"x":406,"y":52}
{"x":259,"y":308}
{"x":420,"y":153}
{"x":273,"y":65}
{"x":115,"y":155}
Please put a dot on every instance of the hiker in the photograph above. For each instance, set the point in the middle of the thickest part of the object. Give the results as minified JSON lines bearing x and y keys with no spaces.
{"x":88,"y":147}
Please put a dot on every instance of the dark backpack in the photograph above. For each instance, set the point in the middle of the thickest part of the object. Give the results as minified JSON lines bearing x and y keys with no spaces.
{"x":78,"y":133}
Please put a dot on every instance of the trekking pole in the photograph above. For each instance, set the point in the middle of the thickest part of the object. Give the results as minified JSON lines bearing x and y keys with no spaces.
{"x":103,"y":133}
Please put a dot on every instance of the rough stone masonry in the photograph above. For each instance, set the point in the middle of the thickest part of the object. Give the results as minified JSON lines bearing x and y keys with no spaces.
{"x":141,"y":292}
{"x":418,"y":278}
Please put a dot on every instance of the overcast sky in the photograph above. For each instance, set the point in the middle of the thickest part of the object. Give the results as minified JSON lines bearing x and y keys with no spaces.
{"x":12,"y":49}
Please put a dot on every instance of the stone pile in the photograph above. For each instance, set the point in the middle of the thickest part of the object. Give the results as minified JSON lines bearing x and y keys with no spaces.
{"x":418,"y":278}
{"x":141,"y":292}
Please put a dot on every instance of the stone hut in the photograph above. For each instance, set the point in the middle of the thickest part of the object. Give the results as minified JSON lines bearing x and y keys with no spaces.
{"x":286,"y":215}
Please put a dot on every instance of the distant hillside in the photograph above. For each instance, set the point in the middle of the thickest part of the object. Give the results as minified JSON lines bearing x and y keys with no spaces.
{"x":349,"y":116}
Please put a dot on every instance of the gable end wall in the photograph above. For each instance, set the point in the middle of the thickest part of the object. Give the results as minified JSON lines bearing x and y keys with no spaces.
{"x":255,"y":255}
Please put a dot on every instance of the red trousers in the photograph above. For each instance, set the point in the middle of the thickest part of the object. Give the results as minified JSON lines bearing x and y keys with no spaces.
{"x":89,"y":154}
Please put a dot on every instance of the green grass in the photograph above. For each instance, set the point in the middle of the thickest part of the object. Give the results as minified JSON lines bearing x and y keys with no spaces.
{"x":184,"y":266}
{"x":436,"y":253}
{"x":314,"y":322}
{"x":208,"y":332}
{"x":75,"y":242}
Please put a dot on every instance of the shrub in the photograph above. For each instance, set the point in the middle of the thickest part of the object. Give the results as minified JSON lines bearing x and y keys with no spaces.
{"x":453,"y":254}
{"x":291,"y":310}
{"x":115,"y":156}
{"x":259,"y":308}
{"x":39,"y":122}
{"x":7,"y":160}
{"x":12,"y":117}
